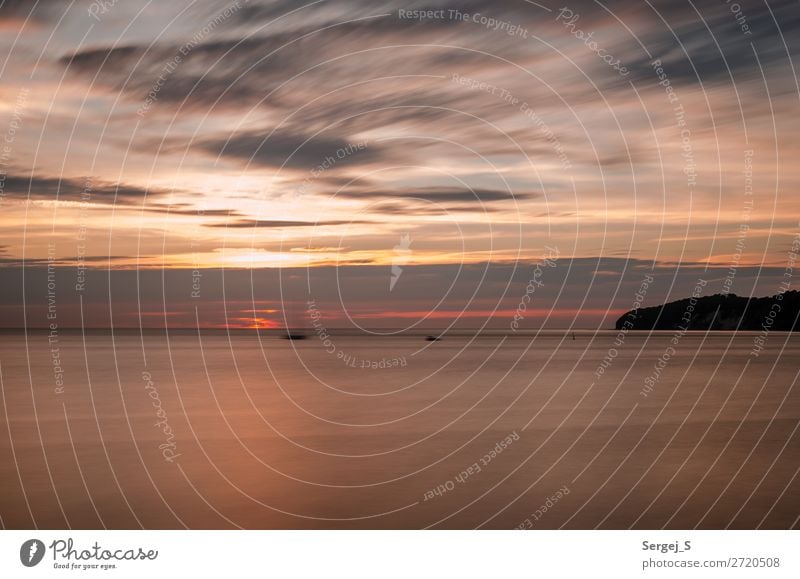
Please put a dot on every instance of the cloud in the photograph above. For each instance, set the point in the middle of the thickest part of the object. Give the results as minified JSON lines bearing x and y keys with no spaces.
{"x":37,"y":187}
{"x":64,"y":261}
{"x":589,"y":289}
{"x":191,"y":210}
{"x":290,"y":149}
{"x":439,"y":194}
{"x":271,"y":223}
{"x":246,"y":68}
{"x":21,"y":10}
{"x":408,"y":209}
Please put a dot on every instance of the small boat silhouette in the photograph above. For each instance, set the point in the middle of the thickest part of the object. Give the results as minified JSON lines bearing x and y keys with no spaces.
{"x":431,"y":338}
{"x":294,"y":336}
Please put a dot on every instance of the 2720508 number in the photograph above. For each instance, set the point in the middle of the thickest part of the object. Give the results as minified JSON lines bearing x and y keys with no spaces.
{"x":755,"y":562}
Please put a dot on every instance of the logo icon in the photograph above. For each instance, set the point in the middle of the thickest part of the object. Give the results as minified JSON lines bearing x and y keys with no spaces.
{"x":31,"y":552}
{"x":402,"y":251}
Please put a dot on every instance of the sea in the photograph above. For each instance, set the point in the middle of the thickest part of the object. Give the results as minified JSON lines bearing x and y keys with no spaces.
{"x":394,"y":430}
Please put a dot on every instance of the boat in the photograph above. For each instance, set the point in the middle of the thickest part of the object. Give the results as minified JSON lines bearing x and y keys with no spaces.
{"x":294,"y":336}
{"x":431,"y":338}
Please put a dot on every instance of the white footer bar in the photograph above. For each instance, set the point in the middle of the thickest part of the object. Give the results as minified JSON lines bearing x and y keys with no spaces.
{"x":401,"y":554}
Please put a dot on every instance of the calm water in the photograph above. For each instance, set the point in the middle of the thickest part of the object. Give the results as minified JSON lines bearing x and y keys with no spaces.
{"x":215,"y":431}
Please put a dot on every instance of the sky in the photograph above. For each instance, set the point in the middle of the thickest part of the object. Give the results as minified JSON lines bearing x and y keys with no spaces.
{"x":394,"y":164}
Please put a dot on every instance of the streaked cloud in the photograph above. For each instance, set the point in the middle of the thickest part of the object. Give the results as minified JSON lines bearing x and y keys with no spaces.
{"x":266,"y":134}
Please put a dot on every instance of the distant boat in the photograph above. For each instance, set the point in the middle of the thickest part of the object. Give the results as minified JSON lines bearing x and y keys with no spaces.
{"x":292,"y":331}
{"x":432,"y":338}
